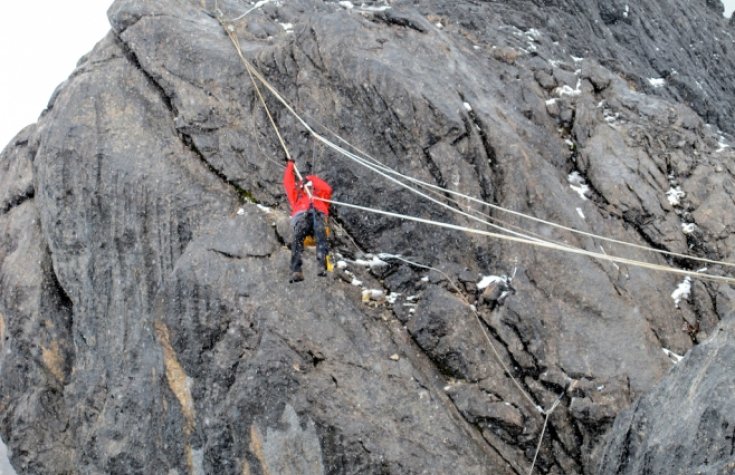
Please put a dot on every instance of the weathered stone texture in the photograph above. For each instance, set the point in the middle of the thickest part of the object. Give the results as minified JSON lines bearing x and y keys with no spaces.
{"x":146,"y":322}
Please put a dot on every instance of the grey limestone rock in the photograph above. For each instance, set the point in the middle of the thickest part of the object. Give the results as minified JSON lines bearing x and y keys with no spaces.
{"x":146,"y":322}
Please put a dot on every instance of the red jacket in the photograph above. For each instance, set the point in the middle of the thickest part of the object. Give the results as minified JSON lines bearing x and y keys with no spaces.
{"x":299,"y":199}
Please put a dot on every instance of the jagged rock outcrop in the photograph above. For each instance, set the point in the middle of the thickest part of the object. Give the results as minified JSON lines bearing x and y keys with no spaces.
{"x":685,"y":425}
{"x":146,"y":323}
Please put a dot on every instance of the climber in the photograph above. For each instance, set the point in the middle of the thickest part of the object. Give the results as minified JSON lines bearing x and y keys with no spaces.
{"x":308,"y":218}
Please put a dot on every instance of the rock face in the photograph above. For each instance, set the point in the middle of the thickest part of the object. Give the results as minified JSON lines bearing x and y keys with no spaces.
{"x":146,"y":323}
{"x":686,"y":424}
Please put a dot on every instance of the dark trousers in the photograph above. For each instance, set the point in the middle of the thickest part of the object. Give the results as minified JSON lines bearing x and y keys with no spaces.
{"x":309,"y":223}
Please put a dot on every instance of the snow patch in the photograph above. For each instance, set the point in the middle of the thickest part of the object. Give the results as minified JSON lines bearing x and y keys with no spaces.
{"x":287,"y":26}
{"x":341,"y":264}
{"x":263,"y":208}
{"x":439,"y":24}
{"x":356,"y":282}
{"x":577,"y":183}
{"x":721,"y":144}
{"x":580,"y":213}
{"x":682,"y":291}
{"x":657,"y":82}
{"x":534,"y":33}
{"x":576,"y":59}
{"x":392,"y":297}
{"x":425,"y":278}
{"x":467,"y":106}
{"x":672,"y":356}
{"x":372,"y":294}
{"x":688,"y":228}
{"x":374,"y":263}
{"x":241,"y":211}
{"x":626,"y":11}
{"x":611,"y":118}
{"x":347,"y":5}
{"x":567,"y":90}
{"x":674,"y":195}
{"x":491,"y":279}
{"x":552,"y":101}
{"x":364,"y":8}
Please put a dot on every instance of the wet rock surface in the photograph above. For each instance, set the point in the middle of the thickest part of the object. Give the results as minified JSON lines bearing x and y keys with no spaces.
{"x":146,"y":322}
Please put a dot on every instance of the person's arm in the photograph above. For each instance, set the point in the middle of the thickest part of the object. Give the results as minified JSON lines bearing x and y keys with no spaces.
{"x":289,"y":183}
{"x":321,"y":187}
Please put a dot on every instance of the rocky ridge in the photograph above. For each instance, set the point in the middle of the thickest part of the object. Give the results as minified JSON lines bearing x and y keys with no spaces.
{"x":145,"y":320}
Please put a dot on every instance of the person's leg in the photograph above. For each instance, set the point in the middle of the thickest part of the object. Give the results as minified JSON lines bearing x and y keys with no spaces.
{"x":300,"y":226}
{"x":322,"y":246}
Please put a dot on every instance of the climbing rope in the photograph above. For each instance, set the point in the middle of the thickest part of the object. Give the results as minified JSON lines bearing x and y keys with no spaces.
{"x":229,"y":28}
{"x":523,"y":215}
{"x":543,"y":244}
{"x":385,"y":171}
{"x":544,"y":412}
{"x":546,"y":422}
{"x":512,"y":236}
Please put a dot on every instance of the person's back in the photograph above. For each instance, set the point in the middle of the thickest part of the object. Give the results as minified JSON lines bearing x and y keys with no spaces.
{"x":308,"y":218}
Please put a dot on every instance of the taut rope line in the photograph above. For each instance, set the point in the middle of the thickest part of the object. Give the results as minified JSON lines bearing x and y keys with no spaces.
{"x":543,"y":244}
{"x":375,"y":168}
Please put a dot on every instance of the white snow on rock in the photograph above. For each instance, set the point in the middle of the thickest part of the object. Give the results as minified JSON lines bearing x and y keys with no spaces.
{"x":534,"y":33}
{"x":347,"y":5}
{"x":374,"y":263}
{"x":551,"y":102}
{"x":263,"y":208}
{"x":566,"y":90}
{"x":372,"y":294}
{"x":577,"y":183}
{"x":580,"y":213}
{"x":721,"y":144}
{"x":341,"y":264}
{"x":576,"y":59}
{"x":688,"y":228}
{"x":356,"y":282}
{"x":675,"y":195}
{"x":491,"y":279}
{"x":626,"y":11}
{"x":241,"y":211}
{"x":287,"y":26}
{"x":657,"y":82}
{"x":682,"y":291}
{"x":371,"y":9}
{"x":467,"y":106}
{"x":672,"y":356}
